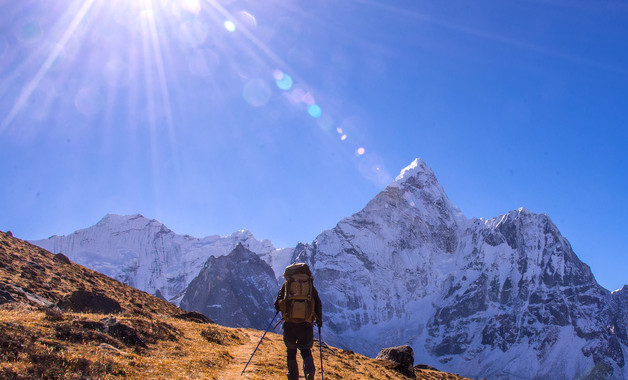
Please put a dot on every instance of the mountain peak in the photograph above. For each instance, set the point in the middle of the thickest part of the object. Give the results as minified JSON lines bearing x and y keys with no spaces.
{"x":420,"y":186}
{"x":116,"y":218}
{"x":417,"y":167}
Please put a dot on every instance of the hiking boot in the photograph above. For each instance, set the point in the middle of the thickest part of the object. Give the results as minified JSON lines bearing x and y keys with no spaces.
{"x":309,"y":376}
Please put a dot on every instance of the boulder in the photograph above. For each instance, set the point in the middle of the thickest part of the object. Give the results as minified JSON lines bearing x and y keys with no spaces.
{"x":61,"y":259}
{"x":85,"y":301}
{"x":126,"y":334}
{"x":403,"y":356}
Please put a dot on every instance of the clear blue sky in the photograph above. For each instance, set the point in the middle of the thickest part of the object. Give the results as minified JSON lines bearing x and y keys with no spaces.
{"x":284,"y":116}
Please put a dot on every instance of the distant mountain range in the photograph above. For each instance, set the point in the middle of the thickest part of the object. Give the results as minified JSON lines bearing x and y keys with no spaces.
{"x":147,"y":255}
{"x":483,"y":298}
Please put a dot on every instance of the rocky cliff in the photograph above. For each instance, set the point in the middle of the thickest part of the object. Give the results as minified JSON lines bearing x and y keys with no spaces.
{"x":236,"y":290}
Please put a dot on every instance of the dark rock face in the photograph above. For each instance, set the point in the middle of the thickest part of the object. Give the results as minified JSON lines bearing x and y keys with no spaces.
{"x":403,"y":356}
{"x":85,"y":301}
{"x":236,"y":290}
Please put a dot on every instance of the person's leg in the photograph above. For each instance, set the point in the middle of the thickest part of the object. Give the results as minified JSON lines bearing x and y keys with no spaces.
{"x":308,"y":364}
{"x":290,"y":337}
{"x":293,"y":367}
{"x":305,"y":341}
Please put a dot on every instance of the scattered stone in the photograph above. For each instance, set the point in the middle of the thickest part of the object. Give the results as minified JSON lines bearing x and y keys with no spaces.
{"x":403,"y":356}
{"x":112,"y":349}
{"x":33,"y":298}
{"x":36,"y":266}
{"x":6,"y":297}
{"x":61,"y":258}
{"x":54,"y":314}
{"x":127,"y":334}
{"x":85,"y":301}
{"x":38,"y":300}
{"x":425,"y":366}
{"x":194,"y":316}
{"x":9,"y":233}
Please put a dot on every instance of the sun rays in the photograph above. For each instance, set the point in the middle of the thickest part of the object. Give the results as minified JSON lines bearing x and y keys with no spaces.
{"x":45,"y":67}
{"x":106,"y":64}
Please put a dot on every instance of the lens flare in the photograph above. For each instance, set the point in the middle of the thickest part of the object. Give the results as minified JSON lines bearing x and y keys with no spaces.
{"x":256,"y":92}
{"x":230,"y":26}
{"x":296,"y":95}
{"x":325,"y":122}
{"x":283,"y":80}
{"x":308,"y":99}
{"x":315,"y":111}
{"x":360,"y":151}
{"x":248,"y":19}
{"x":29,"y":32}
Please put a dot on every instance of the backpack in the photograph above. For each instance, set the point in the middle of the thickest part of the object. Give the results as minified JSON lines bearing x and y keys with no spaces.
{"x":297,"y":305}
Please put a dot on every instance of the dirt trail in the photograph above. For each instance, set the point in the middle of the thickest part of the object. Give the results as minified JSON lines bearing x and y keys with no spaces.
{"x":268,"y":351}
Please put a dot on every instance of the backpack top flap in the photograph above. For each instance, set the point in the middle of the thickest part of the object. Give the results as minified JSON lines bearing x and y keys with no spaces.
{"x":297,"y":268}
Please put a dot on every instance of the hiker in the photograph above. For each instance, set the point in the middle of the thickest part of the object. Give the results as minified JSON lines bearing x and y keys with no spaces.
{"x":300,"y":306}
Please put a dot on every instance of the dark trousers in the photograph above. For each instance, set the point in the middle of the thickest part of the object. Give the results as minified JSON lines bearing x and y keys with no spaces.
{"x":301,"y":337}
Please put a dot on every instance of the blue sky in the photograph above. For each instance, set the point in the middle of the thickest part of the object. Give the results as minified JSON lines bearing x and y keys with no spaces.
{"x":282,"y":117}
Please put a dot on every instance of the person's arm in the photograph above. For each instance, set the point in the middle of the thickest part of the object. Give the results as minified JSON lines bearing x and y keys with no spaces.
{"x":279,"y":297}
{"x":318,"y":308}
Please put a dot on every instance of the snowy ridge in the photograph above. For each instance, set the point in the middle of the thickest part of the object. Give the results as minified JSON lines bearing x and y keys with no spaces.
{"x":147,"y":255}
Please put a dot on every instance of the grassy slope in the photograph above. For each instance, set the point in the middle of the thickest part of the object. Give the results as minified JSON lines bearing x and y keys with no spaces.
{"x":40,"y":342}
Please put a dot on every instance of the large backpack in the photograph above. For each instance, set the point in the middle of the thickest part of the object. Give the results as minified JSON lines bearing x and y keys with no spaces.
{"x":297,"y":305}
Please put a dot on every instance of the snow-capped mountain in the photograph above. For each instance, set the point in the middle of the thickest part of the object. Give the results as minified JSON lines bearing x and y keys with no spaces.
{"x":147,"y":255}
{"x":494,"y":298}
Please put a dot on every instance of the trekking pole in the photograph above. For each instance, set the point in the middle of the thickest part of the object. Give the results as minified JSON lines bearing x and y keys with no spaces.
{"x":320,"y":345}
{"x":260,"y":342}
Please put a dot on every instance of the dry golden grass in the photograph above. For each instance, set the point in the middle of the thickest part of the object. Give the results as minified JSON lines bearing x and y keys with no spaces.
{"x":39,"y":342}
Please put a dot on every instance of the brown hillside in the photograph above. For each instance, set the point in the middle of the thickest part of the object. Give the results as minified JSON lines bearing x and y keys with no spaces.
{"x":43,"y":335}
